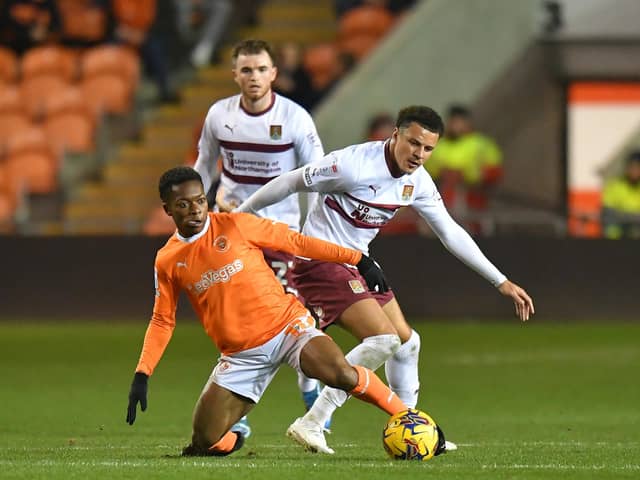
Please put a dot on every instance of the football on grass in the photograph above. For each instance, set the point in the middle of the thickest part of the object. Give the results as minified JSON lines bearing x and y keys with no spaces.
{"x":410,"y":435}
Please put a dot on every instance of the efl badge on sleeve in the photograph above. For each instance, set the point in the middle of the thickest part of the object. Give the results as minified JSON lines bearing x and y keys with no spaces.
{"x":407,"y":191}
{"x":275,"y":132}
{"x":356,"y":286}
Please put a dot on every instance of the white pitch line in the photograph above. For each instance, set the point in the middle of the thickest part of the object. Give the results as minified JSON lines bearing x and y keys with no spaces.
{"x":215,"y":463}
{"x":551,"y":444}
{"x":288,"y":445}
{"x":558,"y":466}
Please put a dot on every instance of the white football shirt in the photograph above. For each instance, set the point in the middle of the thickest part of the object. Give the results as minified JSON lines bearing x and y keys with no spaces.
{"x":359,"y":195}
{"x":256,"y":148}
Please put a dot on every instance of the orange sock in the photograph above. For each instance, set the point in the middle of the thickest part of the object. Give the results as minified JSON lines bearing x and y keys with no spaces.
{"x":372,"y":390}
{"x":225,"y":444}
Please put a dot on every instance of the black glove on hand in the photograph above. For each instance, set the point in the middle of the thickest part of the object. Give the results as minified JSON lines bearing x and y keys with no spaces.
{"x":138,"y":393}
{"x":372,"y":274}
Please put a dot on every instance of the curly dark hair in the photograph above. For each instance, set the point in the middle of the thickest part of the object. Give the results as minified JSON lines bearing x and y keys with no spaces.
{"x":175,"y":176}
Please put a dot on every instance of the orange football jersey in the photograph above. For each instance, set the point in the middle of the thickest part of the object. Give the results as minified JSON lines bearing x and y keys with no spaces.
{"x":238,"y":299}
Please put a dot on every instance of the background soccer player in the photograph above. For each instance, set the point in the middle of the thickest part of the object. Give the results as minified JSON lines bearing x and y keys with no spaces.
{"x":362,"y":186}
{"x":216,"y":259}
{"x":260,"y":135}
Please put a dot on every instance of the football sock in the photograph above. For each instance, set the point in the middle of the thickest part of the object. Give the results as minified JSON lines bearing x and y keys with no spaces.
{"x":306,"y":384}
{"x":371,"y":353}
{"x":226,"y":444}
{"x":402,"y":370}
{"x":372,"y":390}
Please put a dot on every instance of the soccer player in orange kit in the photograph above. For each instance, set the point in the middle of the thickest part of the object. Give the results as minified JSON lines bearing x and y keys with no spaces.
{"x":216,"y":258}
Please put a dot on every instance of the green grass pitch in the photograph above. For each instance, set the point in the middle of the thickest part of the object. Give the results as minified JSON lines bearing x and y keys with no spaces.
{"x":534,"y":401}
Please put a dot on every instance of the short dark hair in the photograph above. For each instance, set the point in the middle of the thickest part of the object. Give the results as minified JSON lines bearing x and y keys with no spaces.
{"x":459,"y":110}
{"x":252,"y":47}
{"x":426,"y":117}
{"x":176,"y":176}
{"x":633,"y":157}
{"x":379,"y":120}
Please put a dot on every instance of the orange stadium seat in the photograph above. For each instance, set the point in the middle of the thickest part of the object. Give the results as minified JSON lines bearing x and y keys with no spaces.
{"x":49,"y":60}
{"x":359,"y":45}
{"x":112,"y":59}
{"x":7,"y":211}
{"x":320,"y":62}
{"x":110,"y":75}
{"x":82,"y":21}
{"x":107,"y":93}
{"x":37,"y":90}
{"x":69,"y":122}
{"x":31,"y":162}
{"x":8,"y":195}
{"x":8,"y":65}
{"x":365,"y":20}
{"x":13,"y":116}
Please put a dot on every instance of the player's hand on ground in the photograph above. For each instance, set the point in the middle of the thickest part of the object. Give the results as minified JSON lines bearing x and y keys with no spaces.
{"x":522,"y":301}
{"x":138,"y":393}
{"x":372,"y":274}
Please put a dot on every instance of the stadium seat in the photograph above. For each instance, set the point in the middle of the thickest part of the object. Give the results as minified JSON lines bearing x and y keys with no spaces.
{"x":359,"y":46}
{"x":320,"y":62}
{"x":82,"y":21}
{"x":112,"y":59}
{"x":13,"y":116}
{"x":8,"y":196}
{"x":37,"y":90}
{"x":107,"y":93}
{"x":110,"y":75}
{"x":6,"y":212}
{"x":7,"y":185}
{"x":49,"y":60}
{"x":31,"y":162}
{"x":69,"y":122}
{"x":8,"y":65}
{"x":365,"y":20}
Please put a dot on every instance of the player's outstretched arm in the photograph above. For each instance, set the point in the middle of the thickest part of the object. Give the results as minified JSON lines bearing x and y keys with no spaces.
{"x":276,"y":190}
{"x":522,"y":301}
{"x":137,"y":394}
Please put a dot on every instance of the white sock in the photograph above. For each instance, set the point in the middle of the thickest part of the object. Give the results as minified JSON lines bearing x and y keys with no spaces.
{"x":402,"y":371}
{"x":306,"y":384}
{"x":371,"y":353}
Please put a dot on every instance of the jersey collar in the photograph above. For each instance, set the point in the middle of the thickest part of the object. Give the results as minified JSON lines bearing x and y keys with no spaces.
{"x":197,"y":236}
{"x":389,"y":161}
{"x":257,"y":114}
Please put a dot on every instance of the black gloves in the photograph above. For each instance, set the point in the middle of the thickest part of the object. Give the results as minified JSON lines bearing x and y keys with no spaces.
{"x":373,"y":275}
{"x":138,"y":393}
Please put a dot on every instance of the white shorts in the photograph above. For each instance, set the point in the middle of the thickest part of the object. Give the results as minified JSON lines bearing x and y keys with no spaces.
{"x":249,"y":372}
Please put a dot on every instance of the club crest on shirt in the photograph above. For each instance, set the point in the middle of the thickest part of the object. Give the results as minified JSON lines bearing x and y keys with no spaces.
{"x":221,"y":243}
{"x":275,"y":132}
{"x":356,"y":286}
{"x":407,"y":191}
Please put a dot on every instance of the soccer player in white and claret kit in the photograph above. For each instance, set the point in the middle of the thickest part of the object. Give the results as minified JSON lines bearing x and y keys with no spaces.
{"x":259,"y":135}
{"x":361,"y":187}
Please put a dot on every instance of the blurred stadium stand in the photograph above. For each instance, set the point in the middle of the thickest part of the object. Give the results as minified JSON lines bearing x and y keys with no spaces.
{"x":108,"y":142}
